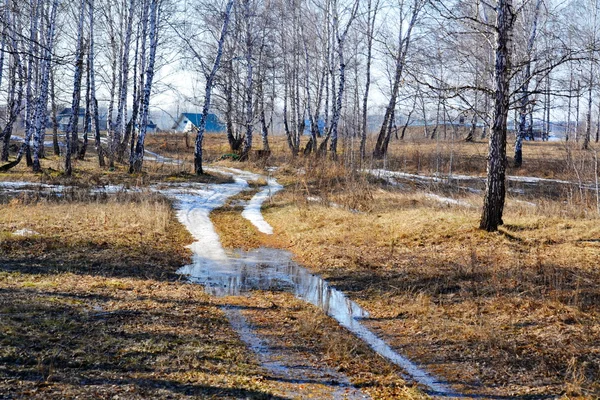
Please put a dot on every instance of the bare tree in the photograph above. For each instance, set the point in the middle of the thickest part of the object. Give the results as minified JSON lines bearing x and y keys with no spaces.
{"x":403,"y":46}
{"x":71,"y":132}
{"x":524,"y":89}
{"x":92,"y":84}
{"x":42,"y":103}
{"x":495,"y":189}
{"x":153,"y":28}
{"x":371,"y":17}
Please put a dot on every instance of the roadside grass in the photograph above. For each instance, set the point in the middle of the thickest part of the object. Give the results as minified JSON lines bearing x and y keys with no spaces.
{"x":516,"y":312}
{"x":91,"y":307}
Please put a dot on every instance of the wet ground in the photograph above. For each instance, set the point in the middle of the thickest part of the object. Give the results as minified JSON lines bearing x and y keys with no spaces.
{"x":235,"y":273}
{"x":239,"y":273}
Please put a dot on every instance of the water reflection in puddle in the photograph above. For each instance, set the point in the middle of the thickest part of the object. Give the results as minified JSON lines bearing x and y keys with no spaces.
{"x":272,"y":269}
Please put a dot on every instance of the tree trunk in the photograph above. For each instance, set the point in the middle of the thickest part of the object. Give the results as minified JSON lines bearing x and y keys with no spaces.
{"x":46,"y":66}
{"x":371,"y":16}
{"x":118,"y":145}
{"x":55,"y":145}
{"x":495,"y":189}
{"x":71,"y":133}
{"x":403,"y":45}
{"x":15,"y":95}
{"x":524,"y":91}
{"x":208,"y":91}
{"x":94,"y":101}
{"x":138,"y":159}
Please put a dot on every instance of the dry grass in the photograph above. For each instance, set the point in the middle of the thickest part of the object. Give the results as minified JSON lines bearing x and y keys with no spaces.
{"x":86,"y":173}
{"x":306,"y":335}
{"x":555,"y":160}
{"x":91,"y":307}
{"x":415,"y":153}
{"x":515,"y":312}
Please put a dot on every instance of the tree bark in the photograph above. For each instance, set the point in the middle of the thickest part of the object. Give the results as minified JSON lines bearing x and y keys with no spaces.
{"x":138,"y":159}
{"x":208,"y":91}
{"x":71,"y":133}
{"x":46,"y":66}
{"x":495,"y":189}
{"x":524,"y":90}
{"x":403,"y":45}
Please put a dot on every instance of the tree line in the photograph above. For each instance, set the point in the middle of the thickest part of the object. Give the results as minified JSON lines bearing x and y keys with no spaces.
{"x":317,"y":65}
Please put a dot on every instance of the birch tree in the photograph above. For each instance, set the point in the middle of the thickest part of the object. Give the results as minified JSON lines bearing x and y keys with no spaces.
{"x":340,"y":31}
{"x":42,"y":103}
{"x":92,"y":84}
{"x":371,"y":17}
{"x":15,"y":89}
{"x":116,"y":145}
{"x":210,"y":80}
{"x":249,"y":18}
{"x":409,"y":17}
{"x":137,"y":160}
{"x":495,"y":188}
{"x":524,"y":89}
{"x":71,"y":137}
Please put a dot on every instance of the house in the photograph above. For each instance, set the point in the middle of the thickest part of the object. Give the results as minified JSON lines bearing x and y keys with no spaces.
{"x":151,"y":127}
{"x":308,"y":128}
{"x":64,"y":116}
{"x":188,"y":121}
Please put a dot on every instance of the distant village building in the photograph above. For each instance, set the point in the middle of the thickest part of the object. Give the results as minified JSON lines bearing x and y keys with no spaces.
{"x":64,"y":116}
{"x":188,"y":121}
{"x":151,"y":127}
{"x":308,"y":128}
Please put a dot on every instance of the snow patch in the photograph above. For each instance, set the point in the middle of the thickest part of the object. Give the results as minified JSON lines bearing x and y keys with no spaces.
{"x":447,"y":200}
{"x":252,"y":210}
{"x":194,"y":205}
{"x":25,"y":232}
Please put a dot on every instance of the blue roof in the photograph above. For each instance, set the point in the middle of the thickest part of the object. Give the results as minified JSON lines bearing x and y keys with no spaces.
{"x":213,"y":124}
{"x":320,"y":126}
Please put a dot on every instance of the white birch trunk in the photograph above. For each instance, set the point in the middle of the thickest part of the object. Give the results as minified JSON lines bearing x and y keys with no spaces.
{"x":208,"y":90}
{"x":495,"y":189}
{"x":138,"y":159}
{"x":249,"y":82}
{"x":46,"y":65}
{"x":117,"y":148}
{"x":71,"y":133}
{"x":524,"y":90}
{"x":93,"y":100}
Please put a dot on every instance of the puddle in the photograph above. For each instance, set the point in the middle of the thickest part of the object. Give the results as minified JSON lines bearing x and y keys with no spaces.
{"x":272,"y":269}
